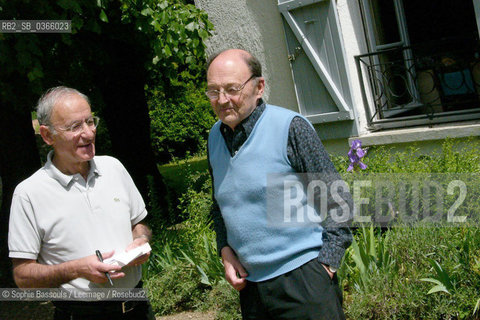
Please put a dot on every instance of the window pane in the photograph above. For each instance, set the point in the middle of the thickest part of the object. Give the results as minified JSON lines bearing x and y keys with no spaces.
{"x":384,"y":22}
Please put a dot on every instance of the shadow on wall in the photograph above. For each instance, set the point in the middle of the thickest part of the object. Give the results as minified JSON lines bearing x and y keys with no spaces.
{"x":271,"y":49}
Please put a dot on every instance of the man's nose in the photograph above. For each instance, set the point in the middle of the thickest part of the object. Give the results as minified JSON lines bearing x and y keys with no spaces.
{"x":222,"y":97}
{"x":88,"y":132}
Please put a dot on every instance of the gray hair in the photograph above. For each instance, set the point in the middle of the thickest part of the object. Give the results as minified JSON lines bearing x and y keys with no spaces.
{"x":50,"y":98}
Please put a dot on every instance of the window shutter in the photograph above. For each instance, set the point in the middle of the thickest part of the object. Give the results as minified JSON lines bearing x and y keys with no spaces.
{"x":317,"y":58}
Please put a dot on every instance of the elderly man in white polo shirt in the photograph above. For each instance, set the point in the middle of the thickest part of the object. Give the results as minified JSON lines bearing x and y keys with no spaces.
{"x":75,"y":204}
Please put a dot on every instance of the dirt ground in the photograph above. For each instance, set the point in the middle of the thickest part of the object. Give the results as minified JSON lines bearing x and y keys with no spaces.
{"x":189,"y":316}
{"x":44,"y":311}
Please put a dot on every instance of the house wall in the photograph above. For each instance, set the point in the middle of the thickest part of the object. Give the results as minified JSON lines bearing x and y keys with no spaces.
{"x":256,"y":26}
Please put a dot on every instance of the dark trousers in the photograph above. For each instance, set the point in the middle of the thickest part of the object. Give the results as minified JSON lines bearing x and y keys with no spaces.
{"x":104,"y":310}
{"x":136,"y":310}
{"x":307,"y":292}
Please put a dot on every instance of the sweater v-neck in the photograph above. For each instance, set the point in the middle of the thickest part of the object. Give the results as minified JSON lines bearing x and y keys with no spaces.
{"x":250,"y":136}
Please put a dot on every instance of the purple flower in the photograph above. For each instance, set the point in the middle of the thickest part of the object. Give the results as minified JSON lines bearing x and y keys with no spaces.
{"x":355,"y":155}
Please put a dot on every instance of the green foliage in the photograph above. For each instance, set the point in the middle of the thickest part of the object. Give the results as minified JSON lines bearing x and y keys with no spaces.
{"x":388,"y":275}
{"x":179,"y":111}
{"x":224,"y":299}
{"x":451,"y":159}
{"x":369,"y":258}
{"x":185,"y":271}
{"x":178,"y":31}
{"x":443,"y":281}
{"x":180,"y":123}
{"x":168,"y":35}
{"x":410,"y":187}
{"x":209,"y":266}
{"x":477,"y":307}
{"x":177,"y":176}
{"x":401,"y":294}
{"x":177,"y":173}
{"x":202,"y":252}
{"x":175,"y":289}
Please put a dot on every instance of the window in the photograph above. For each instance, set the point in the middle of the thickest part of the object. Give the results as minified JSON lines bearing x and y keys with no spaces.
{"x":423,"y":64}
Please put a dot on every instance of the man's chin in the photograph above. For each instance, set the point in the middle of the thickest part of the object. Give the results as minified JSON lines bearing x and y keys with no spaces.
{"x":230,"y":120}
{"x":86,"y":157}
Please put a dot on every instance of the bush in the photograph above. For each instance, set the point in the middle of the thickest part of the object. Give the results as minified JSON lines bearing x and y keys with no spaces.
{"x":225,"y":300}
{"x":180,"y":124}
{"x":185,"y":271}
{"x":174,"y":289}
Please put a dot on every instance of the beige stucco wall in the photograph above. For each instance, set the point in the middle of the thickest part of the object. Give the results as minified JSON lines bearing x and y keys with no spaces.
{"x":352,"y":34}
{"x":255,"y":25}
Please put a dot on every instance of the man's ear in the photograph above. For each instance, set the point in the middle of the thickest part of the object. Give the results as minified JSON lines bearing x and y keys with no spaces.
{"x":260,"y":86}
{"x":46,"y":134}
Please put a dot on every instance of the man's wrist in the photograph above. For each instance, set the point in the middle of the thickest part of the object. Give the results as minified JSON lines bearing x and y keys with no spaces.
{"x":225,"y":252}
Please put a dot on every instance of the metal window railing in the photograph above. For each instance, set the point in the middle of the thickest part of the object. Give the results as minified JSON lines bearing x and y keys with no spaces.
{"x":430,"y":84}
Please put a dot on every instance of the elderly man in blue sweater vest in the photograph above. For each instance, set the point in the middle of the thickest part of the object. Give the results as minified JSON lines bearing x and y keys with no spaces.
{"x":282,"y":270}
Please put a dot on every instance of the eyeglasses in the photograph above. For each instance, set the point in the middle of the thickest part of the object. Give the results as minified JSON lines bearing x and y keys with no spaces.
{"x":228,"y":92}
{"x":77,"y":127}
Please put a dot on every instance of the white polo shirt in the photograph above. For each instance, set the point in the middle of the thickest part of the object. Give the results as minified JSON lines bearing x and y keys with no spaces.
{"x":56,"y":218}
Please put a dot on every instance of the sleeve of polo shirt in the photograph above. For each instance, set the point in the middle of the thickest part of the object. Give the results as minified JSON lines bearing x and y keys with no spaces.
{"x":138,"y":212}
{"x":24,"y":239}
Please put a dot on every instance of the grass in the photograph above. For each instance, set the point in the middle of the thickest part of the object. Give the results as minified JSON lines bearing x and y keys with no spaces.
{"x":403,"y":294}
{"x":176,"y":173}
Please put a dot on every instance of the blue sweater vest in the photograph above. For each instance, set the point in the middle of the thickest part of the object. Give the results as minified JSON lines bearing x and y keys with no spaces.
{"x":265,"y":248}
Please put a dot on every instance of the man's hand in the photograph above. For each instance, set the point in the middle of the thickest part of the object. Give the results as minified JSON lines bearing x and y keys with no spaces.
{"x":141,"y":235}
{"x":137,"y":243}
{"x":331,"y":274}
{"x":28,"y":273}
{"x":92,"y":269}
{"x":234,"y":271}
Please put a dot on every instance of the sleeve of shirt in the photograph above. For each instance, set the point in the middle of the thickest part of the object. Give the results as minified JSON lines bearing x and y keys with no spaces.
{"x":24,"y":239}
{"x":138,"y":212}
{"x":216,"y":215}
{"x":308,"y":155}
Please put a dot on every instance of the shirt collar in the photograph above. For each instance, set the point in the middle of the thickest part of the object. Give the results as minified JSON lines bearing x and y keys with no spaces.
{"x":65,"y":179}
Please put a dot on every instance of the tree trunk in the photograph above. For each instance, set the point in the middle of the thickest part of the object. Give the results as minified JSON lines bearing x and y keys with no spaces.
{"x":18,"y":160}
{"x":121,"y":83}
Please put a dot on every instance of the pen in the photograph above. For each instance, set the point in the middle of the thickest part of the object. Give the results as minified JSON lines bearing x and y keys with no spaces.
{"x":99,"y":256}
